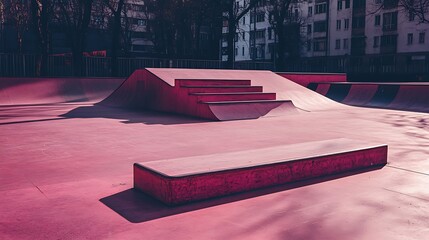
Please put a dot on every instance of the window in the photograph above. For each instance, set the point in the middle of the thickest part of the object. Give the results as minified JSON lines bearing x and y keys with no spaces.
{"x":377,"y":20}
{"x":411,"y":16}
{"x":320,"y":26}
{"x":260,"y":34}
{"x":422,"y":37}
{"x":376,"y":43}
{"x":236,"y":37}
{"x":319,"y":45}
{"x":338,"y":44}
{"x":409,"y":39}
{"x":346,"y":24}
{"x":321,"y":8}
{"x":270,"y":33}
{"x":338,"y":24}
{"x":310,"y":11}
{"x":390,"y":21}
{"x":243,"y":35}
{"x":309,"y":29}
{"x":97,"y":20}
{"x":358,"y":22}
{"x":236,"y":51}
{"x":141,"y":22}
{"x":225,"y":23}
{"x":260,"y":17}
{"x":339,"y":5}
{"x":242,"y":51}
{"x":309,"y":45}
{"x":347,"y":4}
{"x":345,"y":43}
{"x":244,"y":20}
{"x":388,"y":40}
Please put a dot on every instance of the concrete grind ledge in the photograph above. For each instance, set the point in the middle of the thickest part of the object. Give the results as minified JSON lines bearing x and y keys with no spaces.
{"x":183,"y":180}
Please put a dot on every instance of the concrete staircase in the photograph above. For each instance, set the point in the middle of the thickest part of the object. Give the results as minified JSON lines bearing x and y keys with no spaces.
{"x":226,"y":99}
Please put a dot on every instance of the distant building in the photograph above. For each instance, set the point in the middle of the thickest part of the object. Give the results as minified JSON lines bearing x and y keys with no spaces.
{"x":336,"y":28}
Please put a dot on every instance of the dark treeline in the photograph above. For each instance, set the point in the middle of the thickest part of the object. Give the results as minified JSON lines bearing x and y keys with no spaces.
{"x":176,"y":28}
{"x":181,"y":29}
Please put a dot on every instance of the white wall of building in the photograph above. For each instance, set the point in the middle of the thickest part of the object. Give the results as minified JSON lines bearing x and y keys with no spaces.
{"x":405,"y":27}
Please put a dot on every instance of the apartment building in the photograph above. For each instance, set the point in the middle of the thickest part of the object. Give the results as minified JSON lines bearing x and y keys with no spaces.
{"x":134,"y":20}
{"x":139,"y":16}
{"x":390,"y":29}
{"x":335,"y":28}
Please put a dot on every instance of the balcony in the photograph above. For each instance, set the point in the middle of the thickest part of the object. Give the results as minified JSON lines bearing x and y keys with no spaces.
{"x":390,"y":27}
{"x":358,"y":31}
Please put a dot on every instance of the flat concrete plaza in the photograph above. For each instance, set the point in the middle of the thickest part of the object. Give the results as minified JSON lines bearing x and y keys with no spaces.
{"x":66,"y":173}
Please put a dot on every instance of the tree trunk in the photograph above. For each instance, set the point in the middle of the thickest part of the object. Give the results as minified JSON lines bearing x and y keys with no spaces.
{"x":77,"y":60}
{"x":280,"y":48}
{"x":116,"y":41}
{"x":231,"y":36}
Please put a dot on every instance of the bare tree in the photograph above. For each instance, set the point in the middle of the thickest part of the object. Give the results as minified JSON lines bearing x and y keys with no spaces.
{"x":176,"y":27}
{"x":17,"y":12}
{"x":116,"y":8}
{"x":2,"y":22}
{"x":75,"y":16}
{"x":234,"y":12}
{"x":286,"y":25}
{"x":417,"y":8}
{"x":41,"y":13}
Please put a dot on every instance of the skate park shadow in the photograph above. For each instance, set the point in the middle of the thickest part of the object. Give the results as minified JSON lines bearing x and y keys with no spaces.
{"x":137,"y":207}
{"x":130,"y":116}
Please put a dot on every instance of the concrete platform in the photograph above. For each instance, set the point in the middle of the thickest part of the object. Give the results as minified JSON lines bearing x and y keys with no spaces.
{"x":183,"y":180}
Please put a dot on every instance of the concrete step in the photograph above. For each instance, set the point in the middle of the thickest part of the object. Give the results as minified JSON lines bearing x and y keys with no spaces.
{"x":237,"y":96}
{"x":222,"y":89}
{"x":211,"y":82}
{"x":183,"y":180}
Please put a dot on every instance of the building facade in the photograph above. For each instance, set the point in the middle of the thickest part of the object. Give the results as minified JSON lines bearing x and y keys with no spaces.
{"x":336,"y":28}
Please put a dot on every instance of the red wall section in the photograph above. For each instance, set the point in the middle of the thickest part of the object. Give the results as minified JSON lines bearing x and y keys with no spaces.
{"x":305,"y":78}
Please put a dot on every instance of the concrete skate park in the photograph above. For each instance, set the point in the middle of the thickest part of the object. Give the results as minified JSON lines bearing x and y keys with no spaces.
{"x":213,"y":154}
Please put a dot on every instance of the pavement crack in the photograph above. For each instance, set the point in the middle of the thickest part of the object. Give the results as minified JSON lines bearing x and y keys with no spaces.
{"x":408,"y":170}
{"x":405,"y":194}
{"x":40,"y":190}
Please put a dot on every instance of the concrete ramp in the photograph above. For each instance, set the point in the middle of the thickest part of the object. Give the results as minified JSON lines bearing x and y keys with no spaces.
{"x":216,"y":94}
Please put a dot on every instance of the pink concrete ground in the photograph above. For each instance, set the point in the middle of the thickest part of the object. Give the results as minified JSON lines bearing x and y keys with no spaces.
{"x":66,"y":173}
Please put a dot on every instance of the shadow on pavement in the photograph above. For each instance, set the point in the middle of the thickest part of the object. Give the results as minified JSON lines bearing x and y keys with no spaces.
{"x":129,"y":116}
